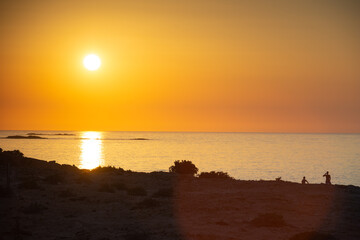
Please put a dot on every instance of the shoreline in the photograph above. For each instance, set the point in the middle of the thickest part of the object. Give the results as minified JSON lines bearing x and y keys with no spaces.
{"x":48,"y":200}
{"x":250,"y":157}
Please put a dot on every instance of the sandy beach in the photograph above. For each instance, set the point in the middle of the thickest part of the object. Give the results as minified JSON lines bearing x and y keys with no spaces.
{"x":46,"y":200}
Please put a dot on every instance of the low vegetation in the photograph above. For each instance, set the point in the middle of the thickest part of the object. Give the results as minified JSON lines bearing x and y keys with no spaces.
{"x":11,"y":154}
{"x":213,"y":174}
{"x":108,"y":169}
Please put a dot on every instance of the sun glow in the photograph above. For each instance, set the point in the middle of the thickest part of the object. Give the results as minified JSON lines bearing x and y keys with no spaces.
{"x":91,"y":150}
{"x":92,"y":62}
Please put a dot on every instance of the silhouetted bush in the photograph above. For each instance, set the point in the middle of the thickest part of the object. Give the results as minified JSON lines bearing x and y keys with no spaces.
{"x":17,"y":153}
{"x":70,"y":168}
{"x":108,"y":169}
{"x":136,"y":191}
{"x":183,"y":167}
{"x":105,"y":187}
{"x":164,"y":193}
{"x":312,"y":236}
{"x":213,"y":174}
{"x":12,"y":154}
{"x":268,"y":220}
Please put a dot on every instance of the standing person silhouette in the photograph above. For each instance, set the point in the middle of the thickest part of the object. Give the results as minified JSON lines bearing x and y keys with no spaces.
{"x":328,"y":178}
{"x":304,"y":181}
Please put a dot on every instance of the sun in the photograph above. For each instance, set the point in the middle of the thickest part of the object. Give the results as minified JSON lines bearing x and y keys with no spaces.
{"x":92,"y":62}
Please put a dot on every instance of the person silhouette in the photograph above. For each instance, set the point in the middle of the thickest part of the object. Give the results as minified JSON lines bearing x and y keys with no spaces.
{"x":327,"y":178}
{"x":304,"y":181}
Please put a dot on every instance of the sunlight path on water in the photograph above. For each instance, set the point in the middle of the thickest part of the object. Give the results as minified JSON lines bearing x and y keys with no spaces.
{"x":91,"y":150}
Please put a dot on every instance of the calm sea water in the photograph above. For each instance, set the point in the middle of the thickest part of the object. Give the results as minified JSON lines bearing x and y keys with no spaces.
{"x":248,"y":156}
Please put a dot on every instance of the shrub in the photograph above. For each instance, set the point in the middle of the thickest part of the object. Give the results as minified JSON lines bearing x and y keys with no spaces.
{"x":17,"y":154}
{"x":109,"y":169}
{"x":12,"y":154}
{"x":70,"y":168}
{"x":213,"y":174}
{"x":183,"y":167}
{"x":136,"y":191}
{"x":268,"y":220}
{"x":312,"y":236}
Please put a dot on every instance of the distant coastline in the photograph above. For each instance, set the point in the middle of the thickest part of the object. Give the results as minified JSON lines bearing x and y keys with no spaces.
{"x":61,"y":134}
{"x":25,"y":137}
{"x":40,"y":136}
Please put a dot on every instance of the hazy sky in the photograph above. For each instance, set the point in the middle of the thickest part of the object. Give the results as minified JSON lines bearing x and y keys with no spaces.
{"x":199,"y":65}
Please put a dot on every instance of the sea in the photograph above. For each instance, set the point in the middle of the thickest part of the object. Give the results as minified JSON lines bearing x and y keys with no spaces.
{"x":245,"y":156}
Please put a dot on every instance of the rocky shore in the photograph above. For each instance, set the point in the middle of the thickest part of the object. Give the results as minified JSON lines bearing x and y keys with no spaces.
{"x":47,"y":200}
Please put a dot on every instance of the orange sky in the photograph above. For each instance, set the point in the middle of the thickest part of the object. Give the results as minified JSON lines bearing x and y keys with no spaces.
{"x":200,"y":65}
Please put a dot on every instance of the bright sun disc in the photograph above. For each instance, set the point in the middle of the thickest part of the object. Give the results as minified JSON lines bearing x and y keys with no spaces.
{"x":92,"y":62}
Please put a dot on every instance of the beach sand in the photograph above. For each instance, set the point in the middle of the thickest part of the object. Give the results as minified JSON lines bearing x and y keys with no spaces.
{"x":52,"y":201}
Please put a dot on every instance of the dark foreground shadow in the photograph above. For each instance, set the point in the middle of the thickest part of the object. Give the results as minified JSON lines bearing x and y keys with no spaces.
{"x":46,"y":200}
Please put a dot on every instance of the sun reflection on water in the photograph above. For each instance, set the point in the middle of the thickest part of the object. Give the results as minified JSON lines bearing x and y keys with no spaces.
{"x":91,"y":150}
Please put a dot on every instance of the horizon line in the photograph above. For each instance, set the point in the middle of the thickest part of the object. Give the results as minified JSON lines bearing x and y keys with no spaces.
{"x":259,"y":132}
